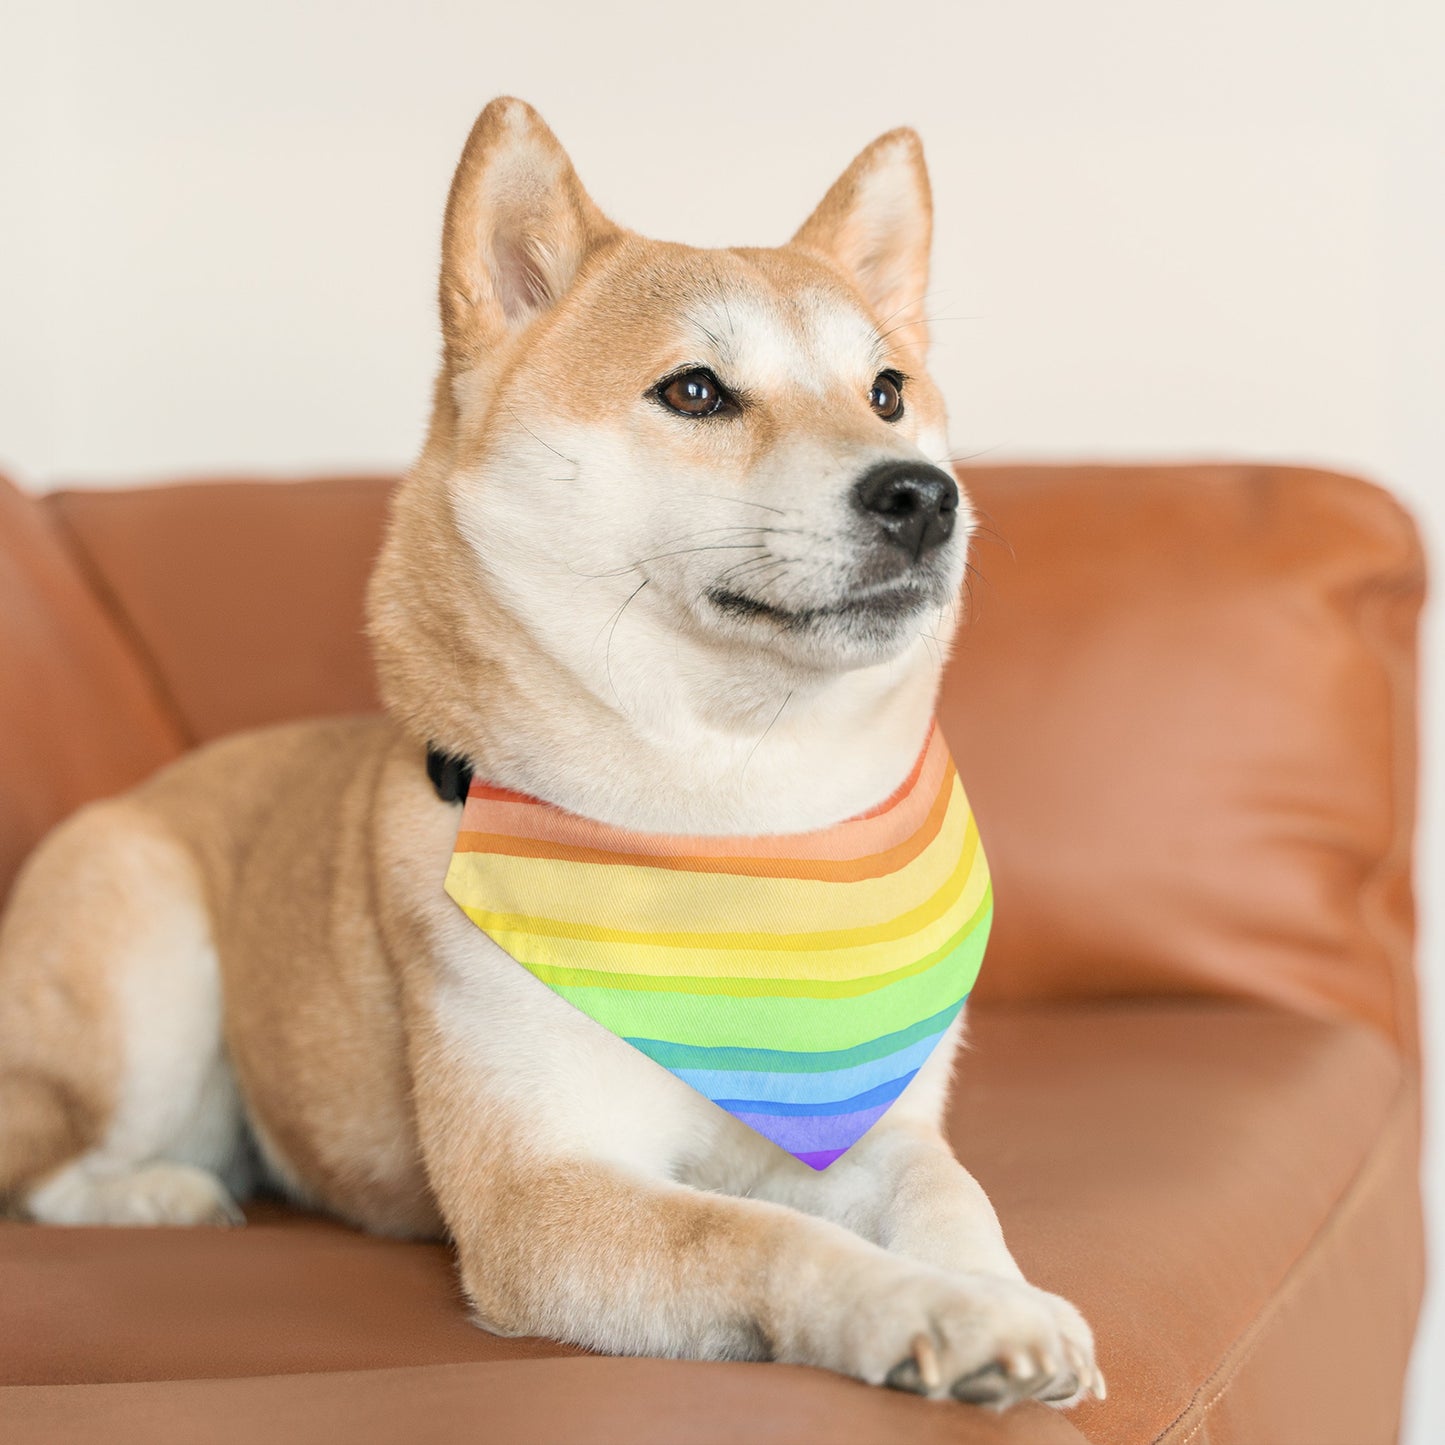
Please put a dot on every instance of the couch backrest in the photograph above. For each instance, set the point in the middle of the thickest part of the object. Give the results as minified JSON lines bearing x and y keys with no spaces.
{"x":78,"y":715}
{"x":1183,"y":706}
{"x":1185,"y":714}
{"x":245,"y":596}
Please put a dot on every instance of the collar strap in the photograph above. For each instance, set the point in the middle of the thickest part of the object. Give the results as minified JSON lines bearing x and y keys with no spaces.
{"x":450,"y":775}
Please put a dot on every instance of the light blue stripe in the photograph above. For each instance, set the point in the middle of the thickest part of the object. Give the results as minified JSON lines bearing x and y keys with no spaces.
{"x":884,"y":1093}
{"x":799,"y":1088}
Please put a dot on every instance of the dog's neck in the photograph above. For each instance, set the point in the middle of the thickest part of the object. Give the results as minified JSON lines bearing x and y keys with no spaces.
{"x":699,"y":742}
{"x":658,"y":731}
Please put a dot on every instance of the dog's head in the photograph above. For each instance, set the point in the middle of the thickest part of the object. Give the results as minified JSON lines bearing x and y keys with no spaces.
{"x":731,"y":451}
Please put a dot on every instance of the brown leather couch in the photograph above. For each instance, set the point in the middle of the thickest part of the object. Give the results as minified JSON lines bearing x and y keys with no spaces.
{"x":1184,"y":710}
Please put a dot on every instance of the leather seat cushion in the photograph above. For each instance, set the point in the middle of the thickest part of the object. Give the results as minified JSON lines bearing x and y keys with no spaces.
{"x":1225,"y":1190}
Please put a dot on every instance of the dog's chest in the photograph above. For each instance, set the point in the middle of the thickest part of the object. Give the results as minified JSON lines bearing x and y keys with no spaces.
{"x":798,"y":982}
{"x":567,"y":1083}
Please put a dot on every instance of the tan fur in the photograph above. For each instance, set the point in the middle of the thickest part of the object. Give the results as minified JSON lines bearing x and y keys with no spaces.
{"x":264,"y":921}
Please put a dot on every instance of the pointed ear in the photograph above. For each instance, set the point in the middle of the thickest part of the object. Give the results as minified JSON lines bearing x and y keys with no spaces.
{"x":877,"y":223}
{"x":518,"y":227}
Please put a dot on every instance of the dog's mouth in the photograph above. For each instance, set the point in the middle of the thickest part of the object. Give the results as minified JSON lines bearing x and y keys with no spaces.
{"x":893,"y":602}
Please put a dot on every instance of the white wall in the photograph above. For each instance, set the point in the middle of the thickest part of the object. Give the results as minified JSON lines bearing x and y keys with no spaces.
{"x":1163,"y":229}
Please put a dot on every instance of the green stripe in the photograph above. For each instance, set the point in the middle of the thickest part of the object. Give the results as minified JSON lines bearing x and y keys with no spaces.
{"x":559,"y":977}
{"x":791,"y":1023}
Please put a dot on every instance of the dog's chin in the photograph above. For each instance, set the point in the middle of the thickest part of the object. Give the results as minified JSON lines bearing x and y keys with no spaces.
{"x":859,"y":628}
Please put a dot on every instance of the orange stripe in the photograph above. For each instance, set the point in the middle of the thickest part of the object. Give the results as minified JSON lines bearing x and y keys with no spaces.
{"x":828,"y":870}
{"x":494,"y":812}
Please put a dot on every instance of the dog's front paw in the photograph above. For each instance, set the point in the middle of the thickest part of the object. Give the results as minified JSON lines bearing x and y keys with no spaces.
{"x":980,"y":1338}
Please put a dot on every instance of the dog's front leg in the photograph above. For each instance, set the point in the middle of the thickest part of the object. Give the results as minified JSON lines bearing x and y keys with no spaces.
{"x":589,"y":1253}
{"x":553,"y":1240}
{"x":900,"y":1187}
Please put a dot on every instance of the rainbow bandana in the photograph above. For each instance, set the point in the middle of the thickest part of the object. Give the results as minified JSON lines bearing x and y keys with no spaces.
{"x":797,"y":980}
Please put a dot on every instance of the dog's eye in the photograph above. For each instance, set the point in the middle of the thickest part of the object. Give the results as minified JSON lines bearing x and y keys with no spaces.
{"x":694,"y":393}
{"x":886,"y":398}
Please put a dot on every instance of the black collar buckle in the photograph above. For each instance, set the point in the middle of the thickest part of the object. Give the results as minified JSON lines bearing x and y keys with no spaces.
{"x":450,"y":775}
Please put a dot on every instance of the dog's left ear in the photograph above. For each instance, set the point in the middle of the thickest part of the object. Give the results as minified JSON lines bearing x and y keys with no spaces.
{"x":877,"y":224}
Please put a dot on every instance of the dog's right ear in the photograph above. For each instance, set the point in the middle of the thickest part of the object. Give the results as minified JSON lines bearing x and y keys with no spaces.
{"x":518,"y":227}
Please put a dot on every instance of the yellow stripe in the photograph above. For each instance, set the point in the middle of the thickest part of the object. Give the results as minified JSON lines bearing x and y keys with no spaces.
{"x":891,"y":929}
{"x":736,"y":985}
{"x":854,"y":961}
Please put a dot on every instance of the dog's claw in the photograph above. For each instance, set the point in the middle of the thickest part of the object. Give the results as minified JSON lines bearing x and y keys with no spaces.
{"x":926,"y":1353}
{"x":1089,"y":1377}
{"x":1020,"y":1364}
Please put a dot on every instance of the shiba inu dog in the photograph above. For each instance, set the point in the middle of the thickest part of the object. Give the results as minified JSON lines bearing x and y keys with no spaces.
{"x":677,"y":556}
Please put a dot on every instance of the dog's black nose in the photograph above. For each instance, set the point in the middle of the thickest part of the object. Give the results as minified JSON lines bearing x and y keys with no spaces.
{"x":915,"y":504}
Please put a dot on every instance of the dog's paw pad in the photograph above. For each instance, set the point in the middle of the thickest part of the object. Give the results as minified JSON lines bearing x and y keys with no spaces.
{"x":1065,"y":1387}
{"x":905,"y":1376}
{"x":989,"y":1386}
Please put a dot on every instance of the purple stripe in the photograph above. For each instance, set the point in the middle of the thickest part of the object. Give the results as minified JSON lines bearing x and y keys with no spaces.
{"x":820,"y":1158}
{"x":812,"y":1133}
